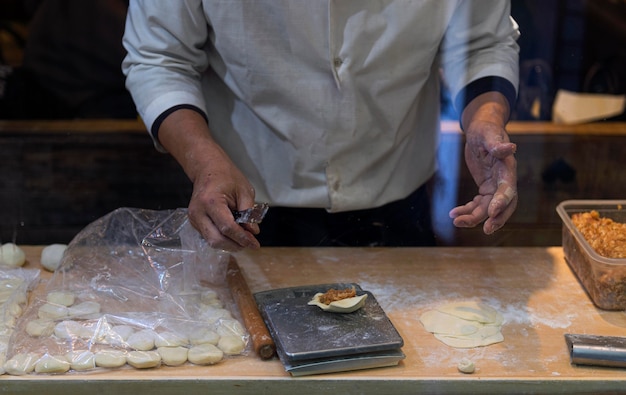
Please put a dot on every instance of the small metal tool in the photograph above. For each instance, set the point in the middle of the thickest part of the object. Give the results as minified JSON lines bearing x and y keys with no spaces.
{"x":597,"y":350}
{"x":253,"y":215}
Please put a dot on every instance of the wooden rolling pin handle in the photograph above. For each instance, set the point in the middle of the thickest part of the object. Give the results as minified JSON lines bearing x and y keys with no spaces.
{"x":262,"y":341}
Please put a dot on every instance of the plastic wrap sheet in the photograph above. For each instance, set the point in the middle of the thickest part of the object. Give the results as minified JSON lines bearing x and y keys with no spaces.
{"x":135,"y":281}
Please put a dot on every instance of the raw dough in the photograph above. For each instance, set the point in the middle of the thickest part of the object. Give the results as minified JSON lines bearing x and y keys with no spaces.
{"x":21,"y":364}
{"x":230,"y":327}
{"x":204,"y":336}
{"x":464,"y":324}
{"x":205,"y":354}
{"x":81,"y":360}
{"x":142,"y":340}
{"x":52,"y":364}
{"x":52,"y":311}
{"x":85,"y":310}
{"x":63,"y":298}
{"x":231,"y":345}
{"x":11,"y":255}
{"x":347,"y":305}
{"x":173,"y":356}
{"x":40,"y":327}
{"x":169,"y":339}
{"x":51,"y":256}
{"x":118,"y":334}
{"x":465,"y":366}
{"x":69,"y":329}
{"x":110,"y":358}
{"x":143,"y":359}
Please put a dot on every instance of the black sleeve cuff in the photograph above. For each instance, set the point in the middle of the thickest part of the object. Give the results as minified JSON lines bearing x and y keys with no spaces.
{"x":484,"y":85}
{"x":154,"y":131}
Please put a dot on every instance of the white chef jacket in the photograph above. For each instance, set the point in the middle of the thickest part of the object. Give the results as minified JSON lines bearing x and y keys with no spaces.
{"x":321,"y":103}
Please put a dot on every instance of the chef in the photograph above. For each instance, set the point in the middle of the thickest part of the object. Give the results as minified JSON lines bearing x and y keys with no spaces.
{"x":327,"y":110}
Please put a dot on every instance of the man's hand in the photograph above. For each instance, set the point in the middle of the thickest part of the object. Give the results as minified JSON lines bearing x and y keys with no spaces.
{"x":489,"y":156}
{"x":218,"y":185}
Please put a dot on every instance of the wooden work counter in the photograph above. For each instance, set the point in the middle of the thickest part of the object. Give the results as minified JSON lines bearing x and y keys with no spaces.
{"x":532,"y":287}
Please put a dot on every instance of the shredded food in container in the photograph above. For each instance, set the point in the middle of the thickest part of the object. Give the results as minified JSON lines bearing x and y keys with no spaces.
{"x":605,"y":236}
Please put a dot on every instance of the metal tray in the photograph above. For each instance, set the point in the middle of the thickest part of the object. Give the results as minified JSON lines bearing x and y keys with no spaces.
{"x":303,"y":332}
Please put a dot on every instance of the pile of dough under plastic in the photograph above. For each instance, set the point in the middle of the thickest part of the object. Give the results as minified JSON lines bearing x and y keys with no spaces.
{"x":464,"y":324}
{"x":99,"y":342}
{"x":14,"y":287}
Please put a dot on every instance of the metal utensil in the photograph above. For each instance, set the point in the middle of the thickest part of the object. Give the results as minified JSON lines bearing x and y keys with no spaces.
{"x":253,"y":215}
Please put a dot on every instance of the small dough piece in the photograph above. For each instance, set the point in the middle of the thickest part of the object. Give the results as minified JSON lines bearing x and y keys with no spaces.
{"x":208,"y":296}
{"x":231,"y":327}
{"x":169,"y":339}
{"x":81,"y":360}
{"x":52,"y":311}
{"x":173,"y":356}
{"x":110,"y":358}
{"x":40,"y":327}
{"x":204,"y":336}
{"x":52,"y":364}
{"x":11,"y":255}
{"x":118,"y":334}
{"x":231,"y":345}
{"x":142,"y":340}
{"x":52,"y":255}
{"x":143,"y":359}
{"x":63,"y":298}
{"x":85,"y":310}
{"x":466,"y":366}
{"x":213,"y":314}
{"x":21,"y":364}
{"x":205,"y":354}
{"x":69,"y":329}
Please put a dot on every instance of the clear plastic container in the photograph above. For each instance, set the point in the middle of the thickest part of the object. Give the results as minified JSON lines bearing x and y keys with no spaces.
{"x":603,"y":278}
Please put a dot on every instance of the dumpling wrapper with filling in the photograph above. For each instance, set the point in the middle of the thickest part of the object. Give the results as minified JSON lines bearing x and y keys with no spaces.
{"x":347,"y":305}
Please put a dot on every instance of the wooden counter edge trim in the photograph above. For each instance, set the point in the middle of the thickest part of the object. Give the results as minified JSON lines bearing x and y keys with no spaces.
{"x":549,"y":128}
{"x":136,"y":126}
{"x":261,"y":339}
{"x":73,"y":126}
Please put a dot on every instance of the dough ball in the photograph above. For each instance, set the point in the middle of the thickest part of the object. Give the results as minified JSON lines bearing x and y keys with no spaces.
{"x":204,"y":336}
{"x":231,"y":345}
{"x":208,"y":296}
{"x":40,"y":327}
{"x":169,"y":339}
{"x":69,"y":329}
{"x":81,"y":360}
{"x":52,"y":364}
{"x":173,"y":356}
{"x":205,"y":354}
{"x":465,"y":366}
{"x":52,"y":311}
{"x":52,"y":255}
{"x":143,"y":359}
{"x":11,"y":255}
{"x":85,"y":310}
{"x":229,"y":327}
{"x":110,"y":358}
{"x":63,"y":298}
{"x":212,"y":314}
{"x":142,"y":340}
{"x":21,"y":364}
{"x":118,"y":334}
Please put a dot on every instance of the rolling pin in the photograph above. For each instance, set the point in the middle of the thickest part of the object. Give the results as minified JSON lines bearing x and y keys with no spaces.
{"x":261,"y":339}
